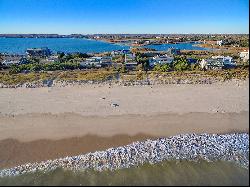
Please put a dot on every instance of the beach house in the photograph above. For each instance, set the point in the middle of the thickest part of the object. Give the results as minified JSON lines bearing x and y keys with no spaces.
{"x":97,"y":62}
{"x":9,"y":60}
{"x":131,"y":65}
{"x":173,"y":51}
{"x":160,"y":59}
{"x":244,"y":55}
{"x":218,"y":62}
{"x":38,"y":52}
{"x":219,"y":42}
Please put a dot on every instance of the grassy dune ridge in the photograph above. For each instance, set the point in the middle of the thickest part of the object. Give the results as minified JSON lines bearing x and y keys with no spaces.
{"x":7,"y":78}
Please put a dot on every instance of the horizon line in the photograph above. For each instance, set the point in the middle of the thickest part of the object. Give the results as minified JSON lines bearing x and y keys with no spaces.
{"x":121,"y":33}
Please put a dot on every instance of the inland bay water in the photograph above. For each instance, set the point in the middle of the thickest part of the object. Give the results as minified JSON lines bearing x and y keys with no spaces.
{"x":71,"y":45}
{"x":165,"y":173}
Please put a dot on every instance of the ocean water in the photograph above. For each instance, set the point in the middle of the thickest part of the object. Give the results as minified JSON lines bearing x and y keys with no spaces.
{"x":19,"y":45}
{"x":165,"y":173}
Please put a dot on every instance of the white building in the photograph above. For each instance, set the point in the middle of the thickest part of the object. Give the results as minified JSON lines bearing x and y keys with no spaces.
{"x":219,"y":42}
{"x":97,"y":62}
{"x":218,"y":62}
{"x":160,"y":60}
{"x":225,"y":60}
{"x":10,"y":62}
{"x":129,"y":57}
{"x":203,"y":64}
{"x":244,"y":55}
{"x":211,"y":64}
{"x":120,"y":52}
{"x":52,"y":58}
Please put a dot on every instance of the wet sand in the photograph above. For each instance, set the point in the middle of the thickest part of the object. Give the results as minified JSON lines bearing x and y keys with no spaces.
{"x":30,"y":138}
{"x":14,"y":152}
{"x":30,"y":127}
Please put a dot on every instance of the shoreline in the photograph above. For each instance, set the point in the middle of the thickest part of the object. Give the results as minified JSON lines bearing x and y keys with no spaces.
{"x":47,"y":126}
{"x":76,"y":119}
{"x":192,"y":147}
{"x":38,"y":137}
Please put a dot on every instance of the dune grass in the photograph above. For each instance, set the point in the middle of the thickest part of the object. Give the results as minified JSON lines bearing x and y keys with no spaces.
{"x":7,"y":78}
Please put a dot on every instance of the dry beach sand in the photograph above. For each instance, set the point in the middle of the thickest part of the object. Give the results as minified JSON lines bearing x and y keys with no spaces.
{"x":44,"y":123}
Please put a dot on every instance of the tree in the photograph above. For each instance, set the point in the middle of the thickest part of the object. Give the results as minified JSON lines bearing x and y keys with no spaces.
{"x":157,"y":67}
{"x":34,"y":60}
{"x":141,"y":59}
{"x":61,"y":55}
{"x":165,"y":68}
{"x":195,"y":66}
{"x":162,"y":68}
{"x":134,"y":50}
{"x":181,"y":64}
{"x":1,"y":58}
{"x":139,"y":67}
{"x":123,"y":69}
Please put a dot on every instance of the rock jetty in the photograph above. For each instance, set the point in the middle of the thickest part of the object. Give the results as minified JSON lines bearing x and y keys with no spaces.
{"x":193,"y":147}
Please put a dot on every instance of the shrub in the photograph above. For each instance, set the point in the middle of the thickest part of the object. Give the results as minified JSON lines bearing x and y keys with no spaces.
{"x":181,"y":64}
{"x":45,"y":67}
{"x":139,"y":67}
{"x":162,"y":68}
{"x":195,"y":66}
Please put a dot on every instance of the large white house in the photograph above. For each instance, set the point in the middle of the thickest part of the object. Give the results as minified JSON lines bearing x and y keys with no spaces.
{"x":97,"y":62}
{"x":225,"y":60}
{"x":219,"y":42}
{"x":244,"y":55}
{"x":160,"y":60}
{"x":218,"y":62}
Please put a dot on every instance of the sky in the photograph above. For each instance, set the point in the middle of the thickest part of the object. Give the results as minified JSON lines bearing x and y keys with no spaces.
{"x":124,"y":16}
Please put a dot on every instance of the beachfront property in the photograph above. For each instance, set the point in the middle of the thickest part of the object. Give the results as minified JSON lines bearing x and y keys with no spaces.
{"x":174,"y":51}
{"x":97,"y":62}
{"x":163,"y":59}
{"x":219,"y":42}
{"x":225,"y":60}
{"x":218,"y":63}
{"x":129,"y":57}
{"x":131,"y":65}
{"x":9,"y":60}
{"x":38,"y":52}
{"x":244,"y":55}
{"x":211,"y":64}
{"x":52,"y":58}
{"x":120,"y":52}
{"x":192,"y":60}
